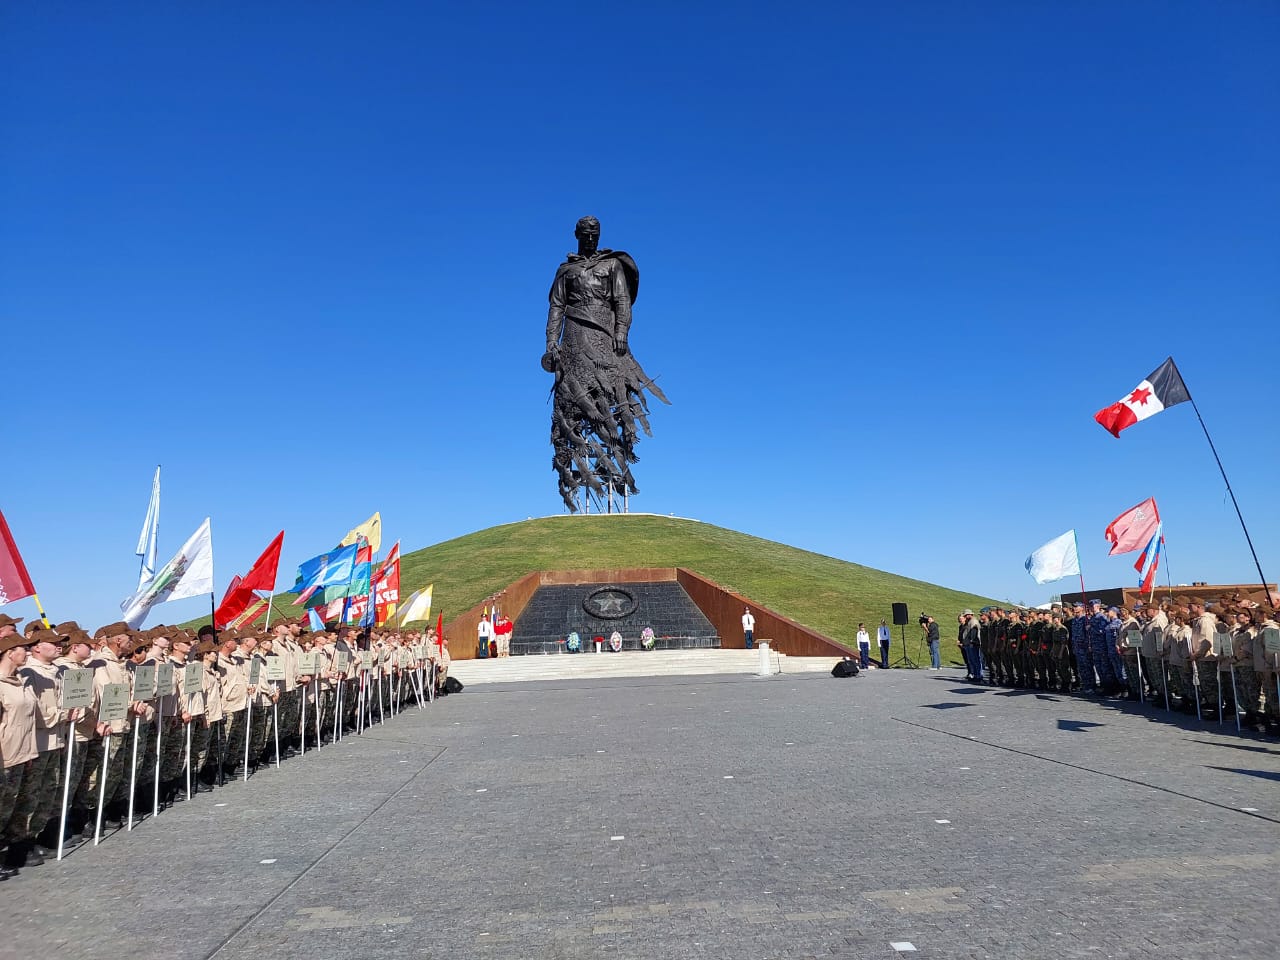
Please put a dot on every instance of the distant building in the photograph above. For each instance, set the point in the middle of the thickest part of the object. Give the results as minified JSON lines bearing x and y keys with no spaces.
{"x":1125,"y":596}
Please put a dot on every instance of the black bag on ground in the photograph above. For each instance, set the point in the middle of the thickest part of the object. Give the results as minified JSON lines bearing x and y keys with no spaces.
{"x":845,"y":668}
{"x":452,"y":685}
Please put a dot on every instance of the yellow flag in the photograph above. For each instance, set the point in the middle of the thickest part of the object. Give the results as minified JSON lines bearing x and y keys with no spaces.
{"x":371,"y":530}
{"x":417,"y":607}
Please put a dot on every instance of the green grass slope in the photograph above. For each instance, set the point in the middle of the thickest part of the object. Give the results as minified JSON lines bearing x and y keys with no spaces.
{"x":823,"y":593}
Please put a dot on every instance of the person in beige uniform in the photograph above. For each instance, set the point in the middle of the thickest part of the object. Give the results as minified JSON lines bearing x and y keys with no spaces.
{"x":77,"y":651}
{"x":51,"y":733}
{"x":1154,"y":623}
{"x":19,"y":712}
{"x":1176,"y":639}
{"x":1266,"y":665}
{"x":1205,"y":662}
{"x":1243,"y":638}
{"x":235,"y":699}
{"x":108,"y":668}
{"x":207,"y":736}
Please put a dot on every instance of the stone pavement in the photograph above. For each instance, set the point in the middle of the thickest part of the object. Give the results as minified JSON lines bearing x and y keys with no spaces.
{"x":704,"y":817}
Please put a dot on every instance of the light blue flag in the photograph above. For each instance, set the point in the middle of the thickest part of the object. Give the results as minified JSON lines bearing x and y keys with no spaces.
{"x":326,"y":570}
{"x":1056,"y":559}
{"x":315,"y":620}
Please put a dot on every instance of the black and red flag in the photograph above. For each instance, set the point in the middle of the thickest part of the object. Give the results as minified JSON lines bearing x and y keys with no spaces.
{"x":1163,"y":388}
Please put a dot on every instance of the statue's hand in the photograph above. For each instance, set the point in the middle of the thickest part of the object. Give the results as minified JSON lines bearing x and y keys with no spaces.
{"x":551,"y":360}
{"x":620,"y":346}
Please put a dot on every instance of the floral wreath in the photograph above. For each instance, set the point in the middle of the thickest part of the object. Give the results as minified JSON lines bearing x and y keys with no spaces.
{"x":647,"y":639}
{"x":615,"y":641}
{"x":574,"y":643}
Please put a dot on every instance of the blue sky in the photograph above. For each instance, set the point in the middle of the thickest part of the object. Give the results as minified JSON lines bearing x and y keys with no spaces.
{"x":894,"y":257}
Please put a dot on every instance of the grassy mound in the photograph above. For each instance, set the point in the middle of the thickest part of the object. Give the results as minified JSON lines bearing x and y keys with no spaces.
{"x":825,"y":594}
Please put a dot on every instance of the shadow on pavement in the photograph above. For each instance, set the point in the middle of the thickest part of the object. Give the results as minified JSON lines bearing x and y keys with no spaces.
{"x":1261,"y":774}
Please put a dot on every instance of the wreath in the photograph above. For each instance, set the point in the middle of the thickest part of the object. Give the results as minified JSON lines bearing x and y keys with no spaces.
{"x":574,"y":642}
{"x":647,"y":639}
{"x":615,"y":641}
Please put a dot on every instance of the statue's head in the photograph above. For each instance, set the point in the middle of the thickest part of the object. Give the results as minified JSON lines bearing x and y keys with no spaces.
{"x":588,"y":233}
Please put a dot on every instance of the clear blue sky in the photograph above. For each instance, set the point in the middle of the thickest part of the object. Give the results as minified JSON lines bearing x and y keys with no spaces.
{"x":894,"y":257}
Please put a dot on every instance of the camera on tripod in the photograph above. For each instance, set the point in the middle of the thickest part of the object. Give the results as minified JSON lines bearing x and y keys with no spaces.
{"x":924,"y":619}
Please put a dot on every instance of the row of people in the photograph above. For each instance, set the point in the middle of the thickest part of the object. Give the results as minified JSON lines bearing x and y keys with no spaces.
{"x":97,"y":731}
{"x":1219,"y":661}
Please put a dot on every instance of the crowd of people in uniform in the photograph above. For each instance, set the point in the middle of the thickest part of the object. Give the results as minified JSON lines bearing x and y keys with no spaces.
{"x":234,"y":701}
{"x":1209,"y":660}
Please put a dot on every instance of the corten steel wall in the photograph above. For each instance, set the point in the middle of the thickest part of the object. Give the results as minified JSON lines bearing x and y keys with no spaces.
{"x":724,"y":609}
{"x":461,"y":631}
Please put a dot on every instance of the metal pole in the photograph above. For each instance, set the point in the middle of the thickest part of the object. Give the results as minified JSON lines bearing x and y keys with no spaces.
{"x":1234,"y":702}
{"x":188,"y":725}
{"x":133,"y":773}
{"x":248,"y":731}
{"x":155,"y":792}
{"x":275,"y":724}
{"x":66,"y":787}
{"x":102,"y":786}
{"x":303,"y":750}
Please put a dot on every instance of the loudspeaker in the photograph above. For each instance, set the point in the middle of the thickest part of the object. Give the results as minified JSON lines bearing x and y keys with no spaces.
{"x":900,"y":618}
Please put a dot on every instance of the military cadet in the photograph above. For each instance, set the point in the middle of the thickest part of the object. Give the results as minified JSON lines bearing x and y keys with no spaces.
{"x":105,"y":768}
{"x":289,"y":704}
{"x":1243,"y":638}
{"x":984,"y":646}
{"x":77,"y":651}
{"x":1095,"y":629}
{"x":207,"y":736}
{"x":1202,"y":660}
{"x":1178,"y":664}
{"x":1080,"y":649}
{"x":1154,"y":624}
{"x":1266,"y":665}
{"x":45,"y":771}
{"x":19,"y":717}
{"x":1111,"y":633}
{"x":235,"y":700}
{"x":265,"y":697}
{"x":1059,"y":654}
{"x":175,"y":714}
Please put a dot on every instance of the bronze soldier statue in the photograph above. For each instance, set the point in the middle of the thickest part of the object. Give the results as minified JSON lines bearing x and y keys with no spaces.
{"x":598,"y":396}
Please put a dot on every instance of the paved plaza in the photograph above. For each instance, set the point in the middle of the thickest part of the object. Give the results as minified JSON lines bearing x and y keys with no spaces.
{"x":709,"y":817}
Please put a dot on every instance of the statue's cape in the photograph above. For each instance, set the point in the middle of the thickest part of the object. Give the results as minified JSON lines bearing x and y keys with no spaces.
{"x":624,"y":260}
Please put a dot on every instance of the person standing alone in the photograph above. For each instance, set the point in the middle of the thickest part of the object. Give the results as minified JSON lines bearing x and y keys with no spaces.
{"x":748,"y":628}
{"x":864,"y":646}
{"x":882,"y":634}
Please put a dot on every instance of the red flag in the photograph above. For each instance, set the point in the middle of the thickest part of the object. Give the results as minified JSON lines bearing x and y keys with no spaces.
{"x":1163,"y":388}
{"x":1133,"y":529}
{"x":386,"y":586}
{"x":234,"y":603}
{"x":440,"y":632}
{"x":262,"y":575}
{"x":15,"y":582}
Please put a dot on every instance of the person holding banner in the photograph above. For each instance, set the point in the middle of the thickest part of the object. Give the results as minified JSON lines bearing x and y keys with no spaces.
{"x":46,"y":771}
{"x":19,"y":712}
{"x":1203,"y":660}
{"x":1244,"y":637}
{"x":77,"y":650}
{"x":235,"y":701}
{"x":104,"y":765}
{"x":206,"y":737}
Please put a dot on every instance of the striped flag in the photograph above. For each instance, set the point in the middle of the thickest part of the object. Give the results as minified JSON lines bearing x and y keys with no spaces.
{"x":1149,"y":560}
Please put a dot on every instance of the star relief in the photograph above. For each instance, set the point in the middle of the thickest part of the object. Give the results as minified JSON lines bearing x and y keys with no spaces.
{"x":610,"y":603}
{"x":1139,"y":395}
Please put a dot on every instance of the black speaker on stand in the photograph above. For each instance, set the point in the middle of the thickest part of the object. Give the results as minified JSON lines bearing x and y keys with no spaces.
{"x":900,"y":619}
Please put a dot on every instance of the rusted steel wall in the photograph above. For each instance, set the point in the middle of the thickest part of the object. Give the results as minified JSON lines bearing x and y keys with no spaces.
{"x":461,"y":630}
{"x":724,"y":609}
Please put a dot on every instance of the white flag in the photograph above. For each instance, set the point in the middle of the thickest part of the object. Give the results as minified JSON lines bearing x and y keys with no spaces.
{"x":188,"y":574}
{"x":1056,"y":559}
{"x":147,"y":539}
{"x":417,"y":607}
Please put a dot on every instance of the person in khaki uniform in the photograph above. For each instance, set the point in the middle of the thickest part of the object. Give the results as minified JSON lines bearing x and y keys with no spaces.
{"x":77,"y":651}
{"x":1205,"y":662}
{"x":1243,"y":637}
{"x":209,"y":731}
{"x":1176,"y":648}
{"x":1154,"y":624}
{"x":144,"y":648}
{"x":176,"y":716}
{"x":1266,"y":665}
{"x":235,"y":700}
{"x":19,"y":713}
{"x":290,"y":702}
{"x":51,"y":731}
{"x":108,"y":668}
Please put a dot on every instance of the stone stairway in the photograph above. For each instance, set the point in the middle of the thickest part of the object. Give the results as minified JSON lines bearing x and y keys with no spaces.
{"x":656,"y":663}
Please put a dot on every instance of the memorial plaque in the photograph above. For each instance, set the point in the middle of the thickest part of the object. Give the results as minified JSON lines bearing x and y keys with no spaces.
{"x":1271,"y":640}
{"x":307,"y":664}
{"x":1133,"y":639}
{"x":144,"y":682}
{"x":77,"y":689}
{"x":366,"y":659}
{"x":255,"y":671}
{"x":164,"y":679}
{"x":192,"y":679}
{"x":341,"y":660}
{"x":275,"y":668}
{"x":115,"y":703}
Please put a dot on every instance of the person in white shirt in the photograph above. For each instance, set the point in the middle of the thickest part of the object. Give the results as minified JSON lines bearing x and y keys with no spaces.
{"x":882,"y":634}
{"x":486,"y":635}
{"x":864,"y":646}
{"x":748,"y":627}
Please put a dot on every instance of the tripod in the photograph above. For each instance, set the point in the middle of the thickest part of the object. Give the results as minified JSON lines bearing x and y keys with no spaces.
{"x":904,"y":659}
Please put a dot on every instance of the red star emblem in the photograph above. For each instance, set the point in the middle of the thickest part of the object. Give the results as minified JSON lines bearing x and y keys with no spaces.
{"x":1139,"y":396}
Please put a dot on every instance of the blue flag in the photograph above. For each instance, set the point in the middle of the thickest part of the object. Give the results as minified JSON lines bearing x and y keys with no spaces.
{"x":315,"y":620}
{"x":328,"y":569}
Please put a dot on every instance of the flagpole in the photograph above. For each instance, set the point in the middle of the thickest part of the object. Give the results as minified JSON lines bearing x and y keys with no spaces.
{"x":1076,"y":537}
{"x":1218,"y":460}
{"x":43,"y":616}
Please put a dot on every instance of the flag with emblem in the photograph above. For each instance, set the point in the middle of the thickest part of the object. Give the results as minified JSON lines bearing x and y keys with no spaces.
{"x":1134,"y":528}
{"x":1163,"y":388}
{"x":15,"y":582}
